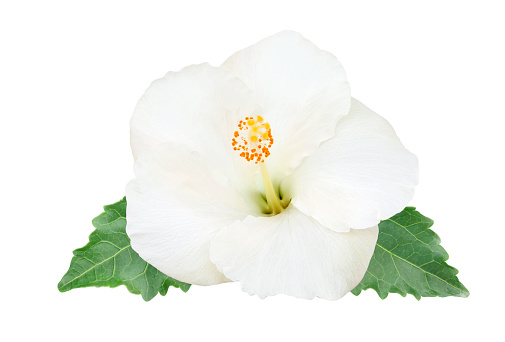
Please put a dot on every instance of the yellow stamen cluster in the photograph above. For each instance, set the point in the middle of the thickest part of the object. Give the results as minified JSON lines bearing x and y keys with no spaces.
{"x":253,"y":139}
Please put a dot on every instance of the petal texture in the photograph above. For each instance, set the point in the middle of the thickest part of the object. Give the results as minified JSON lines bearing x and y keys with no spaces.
{"x":302,"y":90}
{"x":176,"y":204}
{"x":292,"y":254}
{"x":199,"y":107}
{"x":191,"y":106}
{"x":362,"y":175}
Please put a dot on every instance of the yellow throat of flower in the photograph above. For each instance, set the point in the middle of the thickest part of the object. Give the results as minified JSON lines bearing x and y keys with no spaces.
{"x":253,"y":141}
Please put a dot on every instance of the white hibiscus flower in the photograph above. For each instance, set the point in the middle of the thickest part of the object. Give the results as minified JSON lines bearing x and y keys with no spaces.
{"x":263,"y":171}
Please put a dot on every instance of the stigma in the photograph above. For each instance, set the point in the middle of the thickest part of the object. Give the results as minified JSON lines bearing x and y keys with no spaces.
{"x":253,"y":139}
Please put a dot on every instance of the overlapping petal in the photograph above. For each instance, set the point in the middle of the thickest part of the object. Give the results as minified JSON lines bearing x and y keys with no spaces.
{"x":176,"y":203}
{"x":361,"y":176}
{"x":302,"y":90}
{"x":292,"y":254}
{"x":198,"y":107}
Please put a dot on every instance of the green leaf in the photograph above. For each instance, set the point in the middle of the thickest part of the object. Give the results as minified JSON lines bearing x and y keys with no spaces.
{"x":109,"y":260}
{"x":408,"y":258}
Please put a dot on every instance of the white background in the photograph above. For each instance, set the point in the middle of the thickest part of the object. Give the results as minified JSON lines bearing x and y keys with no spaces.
{"x":71,"y":74}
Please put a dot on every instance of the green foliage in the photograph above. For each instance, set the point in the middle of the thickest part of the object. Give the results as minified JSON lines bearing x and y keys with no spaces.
{"x":408,"y":258}
{"x":109,"y":260}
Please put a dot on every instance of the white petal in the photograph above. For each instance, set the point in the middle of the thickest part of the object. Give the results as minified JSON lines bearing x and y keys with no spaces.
{"x":361,"y":176}
{"x":176,"y":204}
{"x":199,"y":107}
{"x":303,"y":91}
{"x":292,"y":254}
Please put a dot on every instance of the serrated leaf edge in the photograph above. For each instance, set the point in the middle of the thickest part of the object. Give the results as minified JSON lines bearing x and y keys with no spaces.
{"x":110,"y":208}
{"x":463,"y":291}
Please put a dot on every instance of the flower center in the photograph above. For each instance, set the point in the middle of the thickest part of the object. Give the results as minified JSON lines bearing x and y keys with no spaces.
{"x":253,"y":140}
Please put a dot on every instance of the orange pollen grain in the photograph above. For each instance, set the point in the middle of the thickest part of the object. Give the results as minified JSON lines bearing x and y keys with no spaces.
{"x":251,"y":131}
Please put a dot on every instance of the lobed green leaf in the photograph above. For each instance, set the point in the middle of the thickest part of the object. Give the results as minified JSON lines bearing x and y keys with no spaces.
{"x":408,"y":258}
{"x":109,"y":260}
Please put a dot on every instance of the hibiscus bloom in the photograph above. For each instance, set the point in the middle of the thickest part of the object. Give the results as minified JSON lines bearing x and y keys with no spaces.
{"x":263,"y":171}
